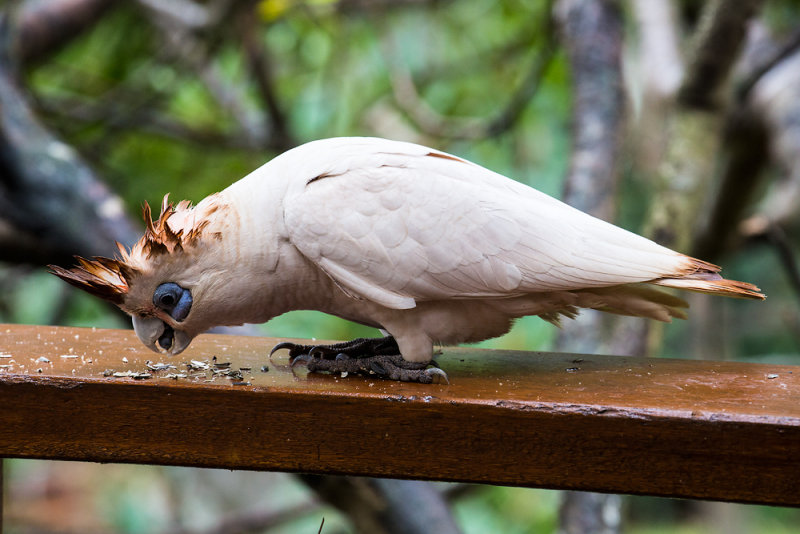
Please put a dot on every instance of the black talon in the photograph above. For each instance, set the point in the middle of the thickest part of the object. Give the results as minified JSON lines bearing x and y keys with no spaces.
{"x":302,"y":358}
{"x":282,"y":345}
{"x":321,"y":351}
{"x":285,"y":345}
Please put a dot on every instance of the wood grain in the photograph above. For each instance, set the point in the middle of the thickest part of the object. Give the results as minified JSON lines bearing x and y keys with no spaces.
{"x":679,"y":428}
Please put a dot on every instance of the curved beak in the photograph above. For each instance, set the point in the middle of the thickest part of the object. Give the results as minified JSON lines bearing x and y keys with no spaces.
{"x":160,"y":337}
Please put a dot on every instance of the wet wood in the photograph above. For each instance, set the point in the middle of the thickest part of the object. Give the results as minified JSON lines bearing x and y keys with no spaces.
{"x":709,"y":430}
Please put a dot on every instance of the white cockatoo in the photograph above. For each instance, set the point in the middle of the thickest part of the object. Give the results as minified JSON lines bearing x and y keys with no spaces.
{"x":427,"y":246}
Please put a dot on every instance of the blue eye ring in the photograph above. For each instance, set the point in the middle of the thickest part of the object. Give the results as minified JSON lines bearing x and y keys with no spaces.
{"x":173,"y":299}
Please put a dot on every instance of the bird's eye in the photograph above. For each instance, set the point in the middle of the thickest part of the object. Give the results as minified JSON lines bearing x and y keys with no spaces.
{"x":166,"y":295}
{"x":173,"y":299}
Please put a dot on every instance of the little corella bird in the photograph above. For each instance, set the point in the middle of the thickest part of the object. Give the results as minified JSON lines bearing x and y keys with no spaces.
{"x":426,"y":246}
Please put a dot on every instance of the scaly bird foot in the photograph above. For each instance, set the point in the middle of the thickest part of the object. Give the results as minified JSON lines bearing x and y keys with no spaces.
{"x":368,"y":357}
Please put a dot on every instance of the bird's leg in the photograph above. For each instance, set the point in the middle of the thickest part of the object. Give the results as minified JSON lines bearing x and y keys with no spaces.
{"x":365,"y":356}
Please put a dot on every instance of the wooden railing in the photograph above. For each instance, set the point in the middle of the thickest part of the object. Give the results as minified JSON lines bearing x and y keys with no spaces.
{"x":679,"y":428}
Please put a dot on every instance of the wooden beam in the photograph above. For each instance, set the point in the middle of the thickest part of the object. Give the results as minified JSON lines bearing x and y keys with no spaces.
{"x":698,"y":429}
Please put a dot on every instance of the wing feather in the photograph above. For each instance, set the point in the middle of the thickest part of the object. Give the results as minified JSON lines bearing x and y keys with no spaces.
{"x":397,"y":223}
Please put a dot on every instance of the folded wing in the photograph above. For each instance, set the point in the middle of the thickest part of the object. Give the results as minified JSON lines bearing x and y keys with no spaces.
{"x":398,"y":223}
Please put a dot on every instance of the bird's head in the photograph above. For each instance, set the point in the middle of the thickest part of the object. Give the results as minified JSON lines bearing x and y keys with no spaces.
{"x":161,"y":282}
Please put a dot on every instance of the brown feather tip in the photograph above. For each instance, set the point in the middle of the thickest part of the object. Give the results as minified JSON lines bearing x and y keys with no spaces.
{"x":704,"y":277}
{"x":159,"y":237}
{"x":722,"y":287}
{"x":106,"y":278}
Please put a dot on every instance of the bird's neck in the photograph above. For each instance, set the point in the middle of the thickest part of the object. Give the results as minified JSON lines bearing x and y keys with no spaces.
{"x":260,"y":274}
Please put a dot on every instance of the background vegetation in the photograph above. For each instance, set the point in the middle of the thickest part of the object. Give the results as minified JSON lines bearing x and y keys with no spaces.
{"x":676,"y":119}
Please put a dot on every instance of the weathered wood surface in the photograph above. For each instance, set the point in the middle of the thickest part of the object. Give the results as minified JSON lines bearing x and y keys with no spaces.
{"x":709,"y":430}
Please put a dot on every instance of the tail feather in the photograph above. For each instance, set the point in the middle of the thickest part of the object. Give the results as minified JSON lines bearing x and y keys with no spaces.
{"x":723,"y":287}
{"x":704,"y":277}
{"x":637,"y":300}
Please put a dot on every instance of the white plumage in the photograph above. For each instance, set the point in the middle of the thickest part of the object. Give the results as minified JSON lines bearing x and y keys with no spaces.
{"x":426,"y":245}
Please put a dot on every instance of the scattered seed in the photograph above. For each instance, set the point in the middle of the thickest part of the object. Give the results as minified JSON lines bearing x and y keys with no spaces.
{"x":158,"y":366}
{"x":132,"y":374}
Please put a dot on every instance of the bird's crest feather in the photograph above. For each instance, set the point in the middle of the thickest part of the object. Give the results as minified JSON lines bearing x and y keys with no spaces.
{"x":111,"y":278}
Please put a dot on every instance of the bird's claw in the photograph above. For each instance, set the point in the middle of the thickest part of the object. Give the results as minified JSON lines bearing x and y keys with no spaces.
{"x":437,"y":375}
{"x":367,"y":357}
{"x":281,"y":345}
{"x":321,"y":351}
{"x":302,"y":358}
{"x":294,"y":349}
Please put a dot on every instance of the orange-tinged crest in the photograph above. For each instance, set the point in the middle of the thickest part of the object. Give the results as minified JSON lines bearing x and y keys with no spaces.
{"x":111,"y":278}
{"x":106,"y":278}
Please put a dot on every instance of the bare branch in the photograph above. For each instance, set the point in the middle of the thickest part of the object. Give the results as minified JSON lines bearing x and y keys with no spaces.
{"x":118,"y":116}
{"x":746,"y":146}
{"x":714,"y":49}
{"x":386,"y":506}
{"x":660,"y":61}
{"x":585,"y":513}
{"x":424,"y":117}
{"x":783,"y":51}
{"x":431,"y":122}
{"x":188,"y":49}
{"x":45,"y":27}
{"x":762,"y":228}
{"x":261,"y":71}
{"x":593,"y":38}
{"x":694,"y":139}
{"x":764,"y":123}
{"x":46,"y":190}
{"x":359,"y":5}
{"x":257,"y":521}
{"x":185,"y":13}
{"x":657,"y":70}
